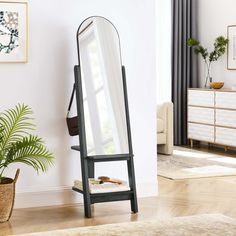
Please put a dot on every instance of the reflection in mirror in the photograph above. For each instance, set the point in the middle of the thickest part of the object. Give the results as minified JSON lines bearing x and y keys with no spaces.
{"x":102,"y":85}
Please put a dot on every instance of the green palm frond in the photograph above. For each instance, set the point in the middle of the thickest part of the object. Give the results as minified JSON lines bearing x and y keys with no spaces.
{"x":17,"y":144}
{"x":31,"y":151}
{"x":16,"y":124}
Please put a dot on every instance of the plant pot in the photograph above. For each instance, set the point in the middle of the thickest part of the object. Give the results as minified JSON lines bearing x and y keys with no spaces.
{"x":7,"y":197}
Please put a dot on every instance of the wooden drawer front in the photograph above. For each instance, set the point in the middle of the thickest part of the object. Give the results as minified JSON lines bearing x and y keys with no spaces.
{"x":201,"y":98}
{"x":226,"y":118}
{"x":201,"y":132}
{"x":201,"y":115}
{"x":226,"y":100}
{"x":226,"y":136}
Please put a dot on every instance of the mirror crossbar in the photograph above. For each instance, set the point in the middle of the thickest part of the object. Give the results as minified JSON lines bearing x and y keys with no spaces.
{"x":104,"y":158}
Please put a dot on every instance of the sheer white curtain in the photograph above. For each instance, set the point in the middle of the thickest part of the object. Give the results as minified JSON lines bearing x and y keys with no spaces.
{"x":163,"y":50}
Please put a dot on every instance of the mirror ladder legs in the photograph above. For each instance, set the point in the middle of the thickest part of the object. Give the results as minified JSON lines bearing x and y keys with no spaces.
{"x":86,"y":168}
{"x":130,"y":162}
{"x":133,"y":201}
{"x":87,"y":164}
{"x":90,"y":169}
{"x":85,"y":182}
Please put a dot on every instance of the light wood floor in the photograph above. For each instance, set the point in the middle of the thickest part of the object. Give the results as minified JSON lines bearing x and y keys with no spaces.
{"x":176,"y":198}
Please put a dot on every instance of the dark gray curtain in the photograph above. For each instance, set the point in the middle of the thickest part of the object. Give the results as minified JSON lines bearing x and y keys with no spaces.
{"x":184,"y":63}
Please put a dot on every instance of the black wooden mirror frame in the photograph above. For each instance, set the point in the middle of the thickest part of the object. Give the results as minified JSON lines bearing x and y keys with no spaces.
{"x":88,"y":161}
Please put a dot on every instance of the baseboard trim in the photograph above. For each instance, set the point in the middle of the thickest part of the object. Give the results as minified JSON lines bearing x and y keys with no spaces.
{"x":56,"y":196}
{"x":64,"y":195}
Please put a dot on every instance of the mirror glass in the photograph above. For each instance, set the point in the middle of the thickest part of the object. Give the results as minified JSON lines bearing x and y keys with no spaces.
{"x":102,"y":86}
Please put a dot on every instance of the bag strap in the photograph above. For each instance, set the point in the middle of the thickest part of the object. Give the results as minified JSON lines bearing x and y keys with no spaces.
{"x":71,"y":100}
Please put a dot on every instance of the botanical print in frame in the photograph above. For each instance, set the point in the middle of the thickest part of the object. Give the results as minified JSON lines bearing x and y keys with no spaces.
{"x":231,"y":60}
{"x":13,"y":32}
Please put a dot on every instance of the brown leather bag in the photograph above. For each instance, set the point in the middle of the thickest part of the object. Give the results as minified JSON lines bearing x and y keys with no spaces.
{"x":72,"y":122}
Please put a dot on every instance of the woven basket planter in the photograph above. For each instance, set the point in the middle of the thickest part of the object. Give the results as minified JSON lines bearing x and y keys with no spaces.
{"x":7,"y":197}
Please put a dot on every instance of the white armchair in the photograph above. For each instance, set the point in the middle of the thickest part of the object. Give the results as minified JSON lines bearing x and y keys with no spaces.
{"x":165,"y":128}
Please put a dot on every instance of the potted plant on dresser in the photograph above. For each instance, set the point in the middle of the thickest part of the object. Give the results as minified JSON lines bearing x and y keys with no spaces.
{"x":17,"y":144}
{"x":220,"y":45}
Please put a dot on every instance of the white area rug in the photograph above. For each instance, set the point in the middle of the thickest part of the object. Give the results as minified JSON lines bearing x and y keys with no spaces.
{"x":187,"y":163}
{"x":199,"y":225}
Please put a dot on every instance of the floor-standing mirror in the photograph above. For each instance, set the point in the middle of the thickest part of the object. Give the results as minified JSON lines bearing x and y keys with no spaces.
{"x":102,"y":106}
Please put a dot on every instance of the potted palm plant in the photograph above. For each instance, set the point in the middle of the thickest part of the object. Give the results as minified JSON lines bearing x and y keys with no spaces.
{"x":17,"y":144}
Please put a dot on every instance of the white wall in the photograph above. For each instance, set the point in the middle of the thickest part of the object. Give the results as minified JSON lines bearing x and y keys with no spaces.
{"x":163,"y":50}
{"x":45,"y":83}
{"x":213,"y":18}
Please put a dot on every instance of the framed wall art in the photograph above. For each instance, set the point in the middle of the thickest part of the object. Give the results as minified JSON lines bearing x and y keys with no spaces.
{"x":13,"y":32}
{"x":231,"y":60}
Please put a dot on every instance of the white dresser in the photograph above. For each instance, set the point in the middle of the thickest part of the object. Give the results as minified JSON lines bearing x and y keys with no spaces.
{"x":212,"y":116}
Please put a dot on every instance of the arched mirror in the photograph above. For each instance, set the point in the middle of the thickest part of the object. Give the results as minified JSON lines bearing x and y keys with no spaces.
{"x":102,"y":105}
{"x":102,"y":86}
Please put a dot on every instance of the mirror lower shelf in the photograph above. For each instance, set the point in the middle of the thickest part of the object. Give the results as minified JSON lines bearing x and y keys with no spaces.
{"x":103,"y":188}
{"x":109,"y":196}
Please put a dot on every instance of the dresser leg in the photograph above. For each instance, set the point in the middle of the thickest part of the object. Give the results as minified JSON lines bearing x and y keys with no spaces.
{"x":198,"y":144}
{"x":191,"y":143}
{"x":226,"y":148}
